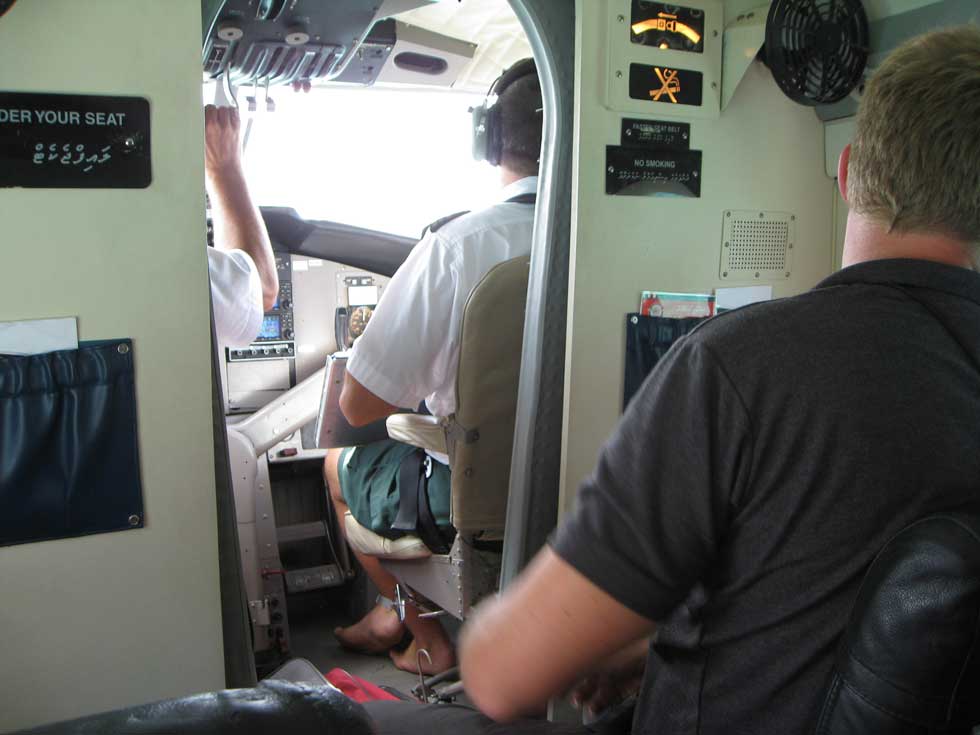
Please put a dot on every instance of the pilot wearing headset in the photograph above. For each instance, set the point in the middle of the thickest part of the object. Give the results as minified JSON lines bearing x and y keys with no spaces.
{"x":409,"y":353}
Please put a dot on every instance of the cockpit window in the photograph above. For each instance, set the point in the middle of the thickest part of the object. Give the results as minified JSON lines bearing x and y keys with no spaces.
{"x":392,"y":160}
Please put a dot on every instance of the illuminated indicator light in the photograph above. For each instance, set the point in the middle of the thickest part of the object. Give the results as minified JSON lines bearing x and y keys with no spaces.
{"x":669,"y":85}
{"x":664,"y":45}
{"x":670,"y":26}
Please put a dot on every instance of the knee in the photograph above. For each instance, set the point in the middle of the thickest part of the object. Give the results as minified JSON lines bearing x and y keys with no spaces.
{"x":331,"y":476}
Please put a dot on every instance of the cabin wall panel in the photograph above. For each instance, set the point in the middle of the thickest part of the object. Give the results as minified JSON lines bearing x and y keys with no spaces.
{"x":764,"y":153}
{"x":117,"y":619}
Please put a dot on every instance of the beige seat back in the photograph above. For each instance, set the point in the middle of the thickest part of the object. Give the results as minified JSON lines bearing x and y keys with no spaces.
{"x":481,"y":433}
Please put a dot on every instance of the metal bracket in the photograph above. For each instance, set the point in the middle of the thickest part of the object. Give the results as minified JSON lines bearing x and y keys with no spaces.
{"x":399,"y":603}
{"x":258,"y":611}
{"x":270,"y":104}
{"x":426,"y":690}
{"x":459,"y":433}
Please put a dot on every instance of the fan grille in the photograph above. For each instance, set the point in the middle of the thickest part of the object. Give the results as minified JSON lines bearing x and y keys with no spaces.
{"x":817,"y":49}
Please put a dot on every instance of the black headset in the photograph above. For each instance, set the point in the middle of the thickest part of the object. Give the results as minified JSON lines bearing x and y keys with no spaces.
{"x":488,"y":140}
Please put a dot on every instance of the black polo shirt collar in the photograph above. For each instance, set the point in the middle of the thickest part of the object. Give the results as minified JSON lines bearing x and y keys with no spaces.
{"x":951,"y":279}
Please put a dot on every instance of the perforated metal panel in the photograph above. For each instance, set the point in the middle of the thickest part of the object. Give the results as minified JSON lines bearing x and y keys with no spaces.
{"x":757,"y":245}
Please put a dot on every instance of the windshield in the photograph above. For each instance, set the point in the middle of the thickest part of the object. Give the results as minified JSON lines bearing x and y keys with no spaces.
{"x":386,"y":159}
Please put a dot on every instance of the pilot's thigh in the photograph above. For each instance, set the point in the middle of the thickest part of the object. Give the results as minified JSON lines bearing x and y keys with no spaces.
{"x":368,"y":477}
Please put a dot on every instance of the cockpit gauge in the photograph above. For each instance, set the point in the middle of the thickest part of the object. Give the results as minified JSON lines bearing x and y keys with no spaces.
{"x":667,"y":26}
{"x":359,"y":318}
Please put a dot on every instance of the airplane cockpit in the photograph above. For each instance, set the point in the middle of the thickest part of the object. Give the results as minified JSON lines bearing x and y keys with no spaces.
{"x":171,"y":516}
{"x":371,"y":146}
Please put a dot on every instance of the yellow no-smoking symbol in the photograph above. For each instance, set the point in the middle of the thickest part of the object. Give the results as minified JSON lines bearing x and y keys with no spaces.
{"x":669,"y":85}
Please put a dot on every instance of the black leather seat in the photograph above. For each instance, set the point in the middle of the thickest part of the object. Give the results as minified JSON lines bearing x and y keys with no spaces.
{"x":909,"y":663}
{"x":271,"y":707}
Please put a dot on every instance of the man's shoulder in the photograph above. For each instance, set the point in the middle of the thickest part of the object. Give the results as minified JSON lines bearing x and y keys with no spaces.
{"x":754,"y":316}
{"x":500,"y":216}
{"x":758,"y":332}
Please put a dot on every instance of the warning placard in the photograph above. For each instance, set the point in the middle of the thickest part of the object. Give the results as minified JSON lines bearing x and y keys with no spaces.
{"x":70,"y":141}
{"x":666,"y":84}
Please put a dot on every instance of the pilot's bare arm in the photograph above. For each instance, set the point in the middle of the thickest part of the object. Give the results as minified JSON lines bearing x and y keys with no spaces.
{"x":360,"y":406}
{"x":550,"y":628}
{"x":238,"y":224}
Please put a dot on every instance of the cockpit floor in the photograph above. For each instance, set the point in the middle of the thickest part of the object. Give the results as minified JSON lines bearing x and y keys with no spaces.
{"x":313,"y":639}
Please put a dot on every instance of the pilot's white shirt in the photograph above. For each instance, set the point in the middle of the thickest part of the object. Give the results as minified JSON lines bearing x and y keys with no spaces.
{"x":236,"y":293}
{"x":410,"y":348}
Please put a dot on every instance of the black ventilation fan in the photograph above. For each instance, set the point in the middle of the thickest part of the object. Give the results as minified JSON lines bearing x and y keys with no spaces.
{"x":816,"y":49}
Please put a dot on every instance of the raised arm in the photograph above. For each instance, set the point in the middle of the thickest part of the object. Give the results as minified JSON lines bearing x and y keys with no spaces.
{"x":238,"y":224}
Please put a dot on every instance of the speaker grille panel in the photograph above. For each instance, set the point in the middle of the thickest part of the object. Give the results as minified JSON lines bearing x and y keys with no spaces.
{"x":757,"y":245}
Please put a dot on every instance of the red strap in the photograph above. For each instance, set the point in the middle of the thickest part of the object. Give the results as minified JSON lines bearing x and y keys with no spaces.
{"x":357,"y":688}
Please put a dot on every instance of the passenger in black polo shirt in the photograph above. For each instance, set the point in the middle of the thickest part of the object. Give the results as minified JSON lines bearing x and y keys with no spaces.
{"x":774,"y":450}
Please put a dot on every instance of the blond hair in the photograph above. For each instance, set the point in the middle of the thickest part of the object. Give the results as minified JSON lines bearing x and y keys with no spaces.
{"x":915,"y":158}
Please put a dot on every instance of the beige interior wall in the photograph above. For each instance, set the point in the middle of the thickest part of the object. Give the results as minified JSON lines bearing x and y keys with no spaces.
{"x":115,"y":619}
{"x":764,"y":152}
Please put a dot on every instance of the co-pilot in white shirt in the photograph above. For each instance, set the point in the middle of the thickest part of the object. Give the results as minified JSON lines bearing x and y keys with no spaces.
{"x":236,"y":292}
{"x":410,"y":348}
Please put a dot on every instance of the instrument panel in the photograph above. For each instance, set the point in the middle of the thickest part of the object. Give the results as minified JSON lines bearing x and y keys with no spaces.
{"x":322,"y":307}
{"x":276,"y":337}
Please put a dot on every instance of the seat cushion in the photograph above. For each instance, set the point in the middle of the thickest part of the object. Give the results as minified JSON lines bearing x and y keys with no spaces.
{"x":367,"y":542}
{"x":427,"y":432}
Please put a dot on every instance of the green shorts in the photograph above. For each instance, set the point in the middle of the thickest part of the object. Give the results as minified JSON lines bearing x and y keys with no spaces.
{"x":369,"y":483}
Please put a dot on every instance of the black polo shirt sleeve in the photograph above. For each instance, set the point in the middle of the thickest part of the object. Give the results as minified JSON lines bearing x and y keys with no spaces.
{"x":649,"y":521}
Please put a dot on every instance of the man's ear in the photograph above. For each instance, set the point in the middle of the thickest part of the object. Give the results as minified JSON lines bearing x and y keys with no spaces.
{"x":842,"y":164}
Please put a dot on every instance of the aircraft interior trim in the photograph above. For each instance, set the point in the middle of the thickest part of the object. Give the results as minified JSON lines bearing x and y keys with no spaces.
{"x":168,"y":529}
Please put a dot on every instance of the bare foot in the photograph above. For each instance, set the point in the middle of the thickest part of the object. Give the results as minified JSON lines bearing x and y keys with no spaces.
{"x":376,"y":632}
{"x":440,"y":650}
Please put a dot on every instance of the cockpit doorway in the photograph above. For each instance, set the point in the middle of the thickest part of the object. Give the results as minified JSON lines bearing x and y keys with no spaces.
{"x":349,"y":157}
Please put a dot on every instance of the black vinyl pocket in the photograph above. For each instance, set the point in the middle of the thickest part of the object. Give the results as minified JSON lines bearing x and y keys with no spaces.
{"x":69,"y":454}
{"x":647,"y":340}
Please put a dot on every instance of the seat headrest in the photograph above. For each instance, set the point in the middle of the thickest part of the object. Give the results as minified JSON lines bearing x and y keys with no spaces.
{"x":909,"y":655}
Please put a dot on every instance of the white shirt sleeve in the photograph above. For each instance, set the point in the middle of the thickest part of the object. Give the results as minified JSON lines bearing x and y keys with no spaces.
{"x":236,"y":292}
{"x":407,"y":347}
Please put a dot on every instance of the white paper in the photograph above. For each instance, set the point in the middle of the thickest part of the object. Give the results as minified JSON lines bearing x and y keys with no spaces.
{"x":301,"y":265}
{"x":38,"y":335}
{"x":732,"y":298}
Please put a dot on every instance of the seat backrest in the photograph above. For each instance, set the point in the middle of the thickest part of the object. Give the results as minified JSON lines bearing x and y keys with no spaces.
{"x":481,"y":433}
{"x":909,"y":662}
{"x":333,"y":430}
